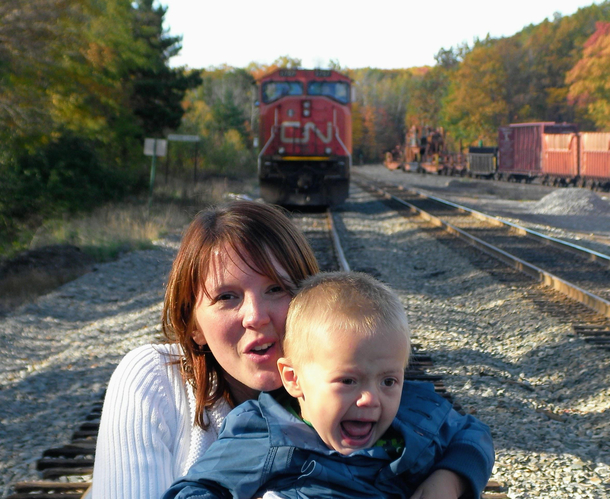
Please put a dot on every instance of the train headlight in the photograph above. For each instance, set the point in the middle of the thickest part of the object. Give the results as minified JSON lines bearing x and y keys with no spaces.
{"x":328,"y":150}
{"x":306,"y":112}
{"x":281,"y":150}
{"x":306,"y":104}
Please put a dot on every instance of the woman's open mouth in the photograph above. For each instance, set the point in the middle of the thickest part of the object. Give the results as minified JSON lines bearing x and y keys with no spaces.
{"x":262,"y":349}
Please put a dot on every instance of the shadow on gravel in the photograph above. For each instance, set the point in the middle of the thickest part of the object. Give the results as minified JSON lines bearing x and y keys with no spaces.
{"x":44,"y":409}
{"x":134,"y":282}
{"x":540,"y":416}
{"x":36,"y":272}
{"x":495,"y":390}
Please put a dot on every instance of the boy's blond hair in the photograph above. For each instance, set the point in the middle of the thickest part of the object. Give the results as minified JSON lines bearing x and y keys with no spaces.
{"x":341,"y":301}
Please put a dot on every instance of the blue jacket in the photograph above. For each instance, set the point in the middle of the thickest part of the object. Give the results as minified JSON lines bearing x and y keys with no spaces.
{"x":263,"y":447}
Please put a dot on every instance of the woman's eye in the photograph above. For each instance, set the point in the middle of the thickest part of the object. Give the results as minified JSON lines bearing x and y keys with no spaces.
{"x":224,"y":297}
{"x":348,"y":381}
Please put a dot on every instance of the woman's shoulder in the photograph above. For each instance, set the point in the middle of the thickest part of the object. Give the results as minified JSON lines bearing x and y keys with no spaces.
{"x":151,"y":354}
{"x":149,"y":364}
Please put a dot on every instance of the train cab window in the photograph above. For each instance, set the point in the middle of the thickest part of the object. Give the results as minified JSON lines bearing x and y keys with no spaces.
{"x":273,"y":90}
{"x":337,"y":90}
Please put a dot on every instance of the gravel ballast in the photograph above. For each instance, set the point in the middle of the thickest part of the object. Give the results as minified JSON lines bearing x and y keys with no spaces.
{"x":544,"y":392}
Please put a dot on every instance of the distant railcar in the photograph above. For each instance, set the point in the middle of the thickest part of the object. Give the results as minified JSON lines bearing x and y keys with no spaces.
{"x":555,"y":153}
{"x":482,"y":162}
{"x":530,"y":150}
{"x":305,"y":133}
{"x":595,"y":159}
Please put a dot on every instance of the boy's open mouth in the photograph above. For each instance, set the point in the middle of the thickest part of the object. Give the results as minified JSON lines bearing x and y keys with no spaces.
{"x":357,"y":430}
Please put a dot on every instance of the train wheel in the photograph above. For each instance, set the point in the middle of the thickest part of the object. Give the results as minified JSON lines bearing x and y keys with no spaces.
{"x":271,"y":192}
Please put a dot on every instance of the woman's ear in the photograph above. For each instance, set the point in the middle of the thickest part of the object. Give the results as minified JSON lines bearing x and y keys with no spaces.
{"x":198,"y":337}
{"x":290,"y":378}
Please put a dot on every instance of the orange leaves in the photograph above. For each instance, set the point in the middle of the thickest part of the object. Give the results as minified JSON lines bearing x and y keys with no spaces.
{"x":588,"y":79}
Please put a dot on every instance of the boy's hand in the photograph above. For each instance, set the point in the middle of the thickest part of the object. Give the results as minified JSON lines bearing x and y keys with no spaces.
{"x":442,"y":484}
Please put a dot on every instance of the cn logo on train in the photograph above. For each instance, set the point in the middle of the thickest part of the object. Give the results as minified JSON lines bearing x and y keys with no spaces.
{"x":293,"y":138}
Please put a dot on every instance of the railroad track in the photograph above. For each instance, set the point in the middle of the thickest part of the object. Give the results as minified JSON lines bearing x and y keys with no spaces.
{"x":328,"y":248}
{"x":577,"y":272}
{"x":66,"y":470}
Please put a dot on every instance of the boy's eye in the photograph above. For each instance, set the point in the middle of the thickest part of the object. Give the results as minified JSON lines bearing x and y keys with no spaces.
{"x":276,"y":289}
{"x":348,"y":381}
{"x":389,"y":382}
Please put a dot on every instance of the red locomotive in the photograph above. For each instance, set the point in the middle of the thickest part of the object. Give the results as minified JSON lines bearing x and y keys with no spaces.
{"x":305,"y":133}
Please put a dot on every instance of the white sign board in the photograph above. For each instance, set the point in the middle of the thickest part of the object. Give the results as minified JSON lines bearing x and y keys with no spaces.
{"x":183,"y":138}
{"x":155,"y":147}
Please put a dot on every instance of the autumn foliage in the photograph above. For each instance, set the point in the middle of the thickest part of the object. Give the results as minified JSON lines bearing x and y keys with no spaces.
{"x":554,"y":71}
{"x":589,"y":79}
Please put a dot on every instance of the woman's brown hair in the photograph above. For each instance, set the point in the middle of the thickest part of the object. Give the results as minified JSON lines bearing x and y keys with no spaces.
{"x":259,"y":234}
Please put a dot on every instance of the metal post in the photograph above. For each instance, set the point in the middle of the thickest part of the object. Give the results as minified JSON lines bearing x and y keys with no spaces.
{"x":153,"y":167}
{"x":167,"y":164}
{"x":195,"y":167}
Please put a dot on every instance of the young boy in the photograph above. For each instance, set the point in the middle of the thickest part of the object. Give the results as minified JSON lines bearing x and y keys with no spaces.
{"x":353,"y":427}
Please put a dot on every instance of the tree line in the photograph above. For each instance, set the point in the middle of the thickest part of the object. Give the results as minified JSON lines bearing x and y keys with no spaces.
{"x":553,"y":71}
{"x":82,"y":82}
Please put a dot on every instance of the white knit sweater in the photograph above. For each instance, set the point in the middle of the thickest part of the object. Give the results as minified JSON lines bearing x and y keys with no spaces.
{"x":147,"y":438}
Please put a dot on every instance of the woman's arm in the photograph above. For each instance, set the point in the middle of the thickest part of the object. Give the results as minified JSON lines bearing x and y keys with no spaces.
{"x":469,"y":455}
{"x":463,"y":456}
{"x":442,"y":484}
{"x":139,"y":431}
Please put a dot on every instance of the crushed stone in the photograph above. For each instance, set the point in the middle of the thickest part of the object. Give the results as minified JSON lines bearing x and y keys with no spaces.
{"x":571,"y":202}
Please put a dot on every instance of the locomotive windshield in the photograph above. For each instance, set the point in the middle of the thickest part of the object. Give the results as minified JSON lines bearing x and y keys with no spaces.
{"x":273,"y":90}
{"x":337,"y":90}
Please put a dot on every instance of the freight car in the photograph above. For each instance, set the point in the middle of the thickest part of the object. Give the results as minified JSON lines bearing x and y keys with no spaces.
{"x":305,"y":132}
{"x":532,"y":150}
{"x":554,"y":153}
{"x":482,"y":162}
{"x":594,"y":160}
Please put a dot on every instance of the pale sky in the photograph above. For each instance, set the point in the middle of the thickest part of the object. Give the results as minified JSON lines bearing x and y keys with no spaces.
{"x":379,"y":33}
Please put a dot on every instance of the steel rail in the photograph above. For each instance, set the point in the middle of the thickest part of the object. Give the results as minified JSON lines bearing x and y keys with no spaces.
{"x":518,"y":229}
{"x":417,"y":366}
{"x":341,"y":260}
{"x":586,"y":298}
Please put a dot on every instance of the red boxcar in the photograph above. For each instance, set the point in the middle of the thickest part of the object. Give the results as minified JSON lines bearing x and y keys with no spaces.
{"x":305,"y":132}
{"x":530,"y":150}
{"x":560,"y":156}
{"x":595,"y":158}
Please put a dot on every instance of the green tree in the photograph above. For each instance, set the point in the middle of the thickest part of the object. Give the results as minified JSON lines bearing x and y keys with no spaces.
{"x":158,"y":90}
{"x":476,"y":104}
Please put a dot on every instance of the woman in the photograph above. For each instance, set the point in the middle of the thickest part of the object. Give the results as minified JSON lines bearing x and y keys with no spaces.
{"x":224,"y":312}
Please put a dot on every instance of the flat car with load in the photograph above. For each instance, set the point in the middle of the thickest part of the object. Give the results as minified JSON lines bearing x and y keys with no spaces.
{"x":305,"y":133}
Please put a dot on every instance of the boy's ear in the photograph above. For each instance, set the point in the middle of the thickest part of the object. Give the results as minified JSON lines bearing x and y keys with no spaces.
{"x":290,"y":378}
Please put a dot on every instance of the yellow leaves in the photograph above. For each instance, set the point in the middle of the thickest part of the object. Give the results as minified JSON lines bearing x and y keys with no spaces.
{"x":476,"y":103}
{"x":234,"y":140}
{"x":71,"y":110}
{"x":99,"y":55}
